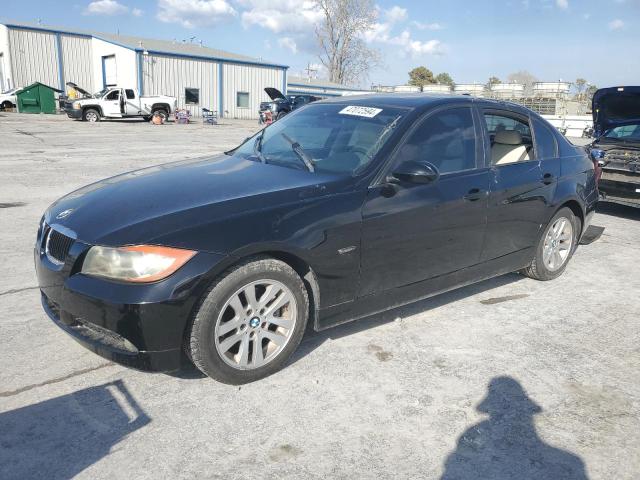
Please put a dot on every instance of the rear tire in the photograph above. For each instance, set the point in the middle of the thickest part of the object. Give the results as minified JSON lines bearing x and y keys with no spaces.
{"x":556,"y":246}
{"x":162,"y":112}
{"x":280,"y":115}
{"x":91,"y":115}
{"x":237,"y":337}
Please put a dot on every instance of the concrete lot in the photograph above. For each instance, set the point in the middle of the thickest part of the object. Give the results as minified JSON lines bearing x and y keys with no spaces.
{"x":503,"y":379}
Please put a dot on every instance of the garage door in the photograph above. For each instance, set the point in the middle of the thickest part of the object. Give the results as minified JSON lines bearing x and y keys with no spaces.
{"x":109,"y":71}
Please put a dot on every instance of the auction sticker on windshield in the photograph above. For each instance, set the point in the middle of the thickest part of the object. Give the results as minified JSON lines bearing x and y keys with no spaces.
{"x":368,"y":112}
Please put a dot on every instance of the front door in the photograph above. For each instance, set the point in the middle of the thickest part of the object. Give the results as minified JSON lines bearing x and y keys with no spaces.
{"x":413,"y":232}
{"x":112,"y":104}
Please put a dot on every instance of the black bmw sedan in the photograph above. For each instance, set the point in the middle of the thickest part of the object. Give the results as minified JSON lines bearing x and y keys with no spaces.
{"x":342,"y":209}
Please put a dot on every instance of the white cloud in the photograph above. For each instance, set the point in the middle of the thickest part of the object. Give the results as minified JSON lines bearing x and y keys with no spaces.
{"x":194,"y":13}
{"x":136,"y":12}
{"x":105,"y":7}
{"x":289,"y":44}
{"x":427,"y":26}
{"x":616,"y":24}
{"x":281,"y":16}
{"x":563,"y":4}
{"x":417,"y":48}
{"x":396,"y":14}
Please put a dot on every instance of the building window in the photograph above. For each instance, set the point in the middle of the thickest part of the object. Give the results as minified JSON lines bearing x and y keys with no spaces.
{"x":242,"y":100}
{"x":192,"y":96}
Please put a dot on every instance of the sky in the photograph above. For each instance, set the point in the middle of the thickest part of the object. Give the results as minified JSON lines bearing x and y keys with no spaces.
{"x":470,"y":39}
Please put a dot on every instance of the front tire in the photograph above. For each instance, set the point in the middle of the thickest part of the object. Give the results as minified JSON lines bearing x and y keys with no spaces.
{"x":556,"y":246}
{"x":91,"y":115}
{"x":250,"y":322}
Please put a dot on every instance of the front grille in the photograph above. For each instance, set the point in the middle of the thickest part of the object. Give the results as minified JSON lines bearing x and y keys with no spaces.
{"x":58,"y":245}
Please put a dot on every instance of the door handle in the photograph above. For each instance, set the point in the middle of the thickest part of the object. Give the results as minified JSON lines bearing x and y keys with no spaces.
{"x":548,"y":178}
{"x":473,"y":195}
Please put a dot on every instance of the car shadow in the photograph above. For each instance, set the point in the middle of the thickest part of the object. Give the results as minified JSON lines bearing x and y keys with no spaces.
{"x":59,"y":438}
{"x":617,"y":210}
{"x":507,"y":445}
{"x":313,"y":339}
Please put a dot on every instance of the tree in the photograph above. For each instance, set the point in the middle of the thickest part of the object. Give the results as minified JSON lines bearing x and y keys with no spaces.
{"x":524,"y":77}
{"x":421,"y":76}
{"x":343,"y":52}
{"x":493,"y":81}
{"x":591,"y":90}
{"x":581,"y":85}
{"x":445,"y":79}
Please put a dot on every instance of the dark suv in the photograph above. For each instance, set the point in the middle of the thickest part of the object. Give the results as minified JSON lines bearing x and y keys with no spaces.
{"x":280,"y":104}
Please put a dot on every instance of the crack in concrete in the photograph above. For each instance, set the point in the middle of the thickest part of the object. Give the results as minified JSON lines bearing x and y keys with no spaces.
{"x":17,"y":290}
{"x":54,"y":380}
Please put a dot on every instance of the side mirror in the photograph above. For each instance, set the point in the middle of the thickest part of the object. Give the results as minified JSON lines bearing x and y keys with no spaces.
{"x":416,"y":172}
{"x":597,"y":156}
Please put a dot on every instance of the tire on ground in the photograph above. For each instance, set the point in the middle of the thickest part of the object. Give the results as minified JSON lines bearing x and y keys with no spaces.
{"x":537,"y":269}
{"x":89,"y":113}
{"x":199,"y":339}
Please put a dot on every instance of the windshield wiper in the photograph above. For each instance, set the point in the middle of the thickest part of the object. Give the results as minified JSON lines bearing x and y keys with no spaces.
{"x":257,"y":148}
{"x":300,"y":153}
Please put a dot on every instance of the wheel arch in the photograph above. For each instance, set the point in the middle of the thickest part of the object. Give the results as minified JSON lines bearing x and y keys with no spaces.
{"x":575,"y":207}
{"x":92,"y":107}
{"x":161,"y":106}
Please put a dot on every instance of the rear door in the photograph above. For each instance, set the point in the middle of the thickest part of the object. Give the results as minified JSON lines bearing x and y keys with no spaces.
{"x":421,"y":231}
{"x":521,"y":190}
{"x":132,"y":103}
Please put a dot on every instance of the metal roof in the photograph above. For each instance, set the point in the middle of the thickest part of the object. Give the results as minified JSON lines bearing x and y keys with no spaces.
{"x":166,"y":47}
{"x":318,"y":83}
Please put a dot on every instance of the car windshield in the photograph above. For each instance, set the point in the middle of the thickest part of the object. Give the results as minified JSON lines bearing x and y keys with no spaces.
{"x":10,"y":91}
{"x":325,"y":138}
{"x":101,"y":92}
{"x":624,"y":133}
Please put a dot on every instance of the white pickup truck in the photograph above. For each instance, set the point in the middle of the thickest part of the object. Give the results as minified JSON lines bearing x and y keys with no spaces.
{"x":116,"y":102}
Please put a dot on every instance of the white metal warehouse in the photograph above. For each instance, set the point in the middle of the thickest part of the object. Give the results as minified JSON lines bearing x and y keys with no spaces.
{"x":198,"y":76}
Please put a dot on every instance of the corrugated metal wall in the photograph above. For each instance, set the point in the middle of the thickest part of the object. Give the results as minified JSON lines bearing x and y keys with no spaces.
{"x":34,"y":57}
{"x":251,"y":79}
{"x":164,"y":75}
{"x":76,"y":61}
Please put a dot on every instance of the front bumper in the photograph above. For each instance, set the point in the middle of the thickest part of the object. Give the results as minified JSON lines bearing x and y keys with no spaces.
{"x":620,"y":186}
{"x":137,"y":325}
{"x":73,"y":113}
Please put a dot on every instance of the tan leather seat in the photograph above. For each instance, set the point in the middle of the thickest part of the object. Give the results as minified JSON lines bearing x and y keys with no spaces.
{"x":508,"y":148}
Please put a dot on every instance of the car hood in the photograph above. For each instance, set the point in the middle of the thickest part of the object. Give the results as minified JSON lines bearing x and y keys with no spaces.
{"x":274,"y":94}
{"x":615,"y":107}
{"x":80,"y":90}
{"x":145,"y":205}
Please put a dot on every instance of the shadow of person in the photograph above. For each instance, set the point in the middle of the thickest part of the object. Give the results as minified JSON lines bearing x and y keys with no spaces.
{"x":506,"y":445}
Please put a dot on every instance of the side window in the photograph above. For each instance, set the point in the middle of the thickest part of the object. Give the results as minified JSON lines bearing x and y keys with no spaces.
{"x":130,"y":94}
{"x":546,"y":145}
{"x":192,"y":96}
{"x":113,"y":95}
{"x":446,"y":139}
{"x":511,"y":140}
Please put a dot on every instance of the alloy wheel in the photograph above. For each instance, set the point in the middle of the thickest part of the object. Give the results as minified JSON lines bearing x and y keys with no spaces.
{"x":255,"y":324}
{"x":558,"y":244}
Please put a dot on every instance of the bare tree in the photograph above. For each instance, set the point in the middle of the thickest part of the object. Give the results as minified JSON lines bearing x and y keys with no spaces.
{"x":581,"y":85}
{"x":524,"y":77}
{"x":343,"y":51}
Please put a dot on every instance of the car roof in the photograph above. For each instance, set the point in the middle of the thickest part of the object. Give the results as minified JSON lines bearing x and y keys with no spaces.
{"x":424,"y":100}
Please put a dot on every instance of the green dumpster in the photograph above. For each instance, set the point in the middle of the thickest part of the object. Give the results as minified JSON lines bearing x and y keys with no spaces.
{"x":37,"y":98}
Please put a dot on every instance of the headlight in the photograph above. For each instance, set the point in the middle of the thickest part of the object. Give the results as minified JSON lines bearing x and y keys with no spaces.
{"x":140,"y":263}
{"x":76,"y":105}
